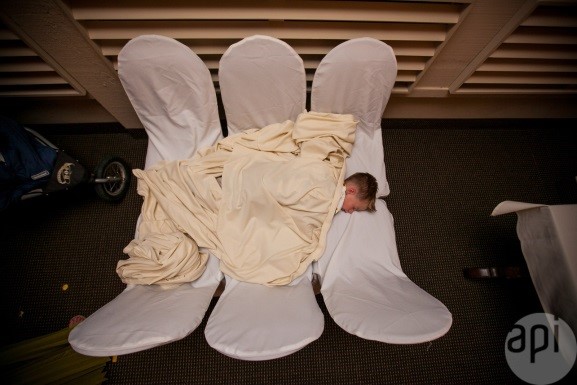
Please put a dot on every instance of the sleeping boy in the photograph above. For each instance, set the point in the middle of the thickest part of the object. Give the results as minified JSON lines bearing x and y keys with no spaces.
{"x":359,"y":193}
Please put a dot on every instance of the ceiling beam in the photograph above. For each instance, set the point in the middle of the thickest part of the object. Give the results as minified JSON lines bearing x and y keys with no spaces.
{"x":48,"y":27}
{"x":484,"y":25}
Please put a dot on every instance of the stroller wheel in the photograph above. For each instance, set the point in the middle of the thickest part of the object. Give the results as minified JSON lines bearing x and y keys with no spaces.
{"x":112,"y":179}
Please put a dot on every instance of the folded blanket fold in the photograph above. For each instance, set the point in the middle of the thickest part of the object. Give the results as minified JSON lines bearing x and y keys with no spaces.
{"x":158,"y":260}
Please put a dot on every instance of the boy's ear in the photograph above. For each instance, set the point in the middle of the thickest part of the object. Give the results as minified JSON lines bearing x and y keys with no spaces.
{"x":351,"y":189}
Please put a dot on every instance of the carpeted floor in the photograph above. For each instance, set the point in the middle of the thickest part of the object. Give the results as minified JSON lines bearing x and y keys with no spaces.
{"x":446,"y":177}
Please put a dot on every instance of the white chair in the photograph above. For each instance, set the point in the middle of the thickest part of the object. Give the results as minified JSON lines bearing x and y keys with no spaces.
{"x":362,"y":283}
{"x":262,"y":81}
{"x":173,"y":94}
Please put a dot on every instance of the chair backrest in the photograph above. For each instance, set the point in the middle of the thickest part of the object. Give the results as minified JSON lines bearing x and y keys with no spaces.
{"x":262,"y":81}
{"x":357,"y":77}
{"x":173,"y":94}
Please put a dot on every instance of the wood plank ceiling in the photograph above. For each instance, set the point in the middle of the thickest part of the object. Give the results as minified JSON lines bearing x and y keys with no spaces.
{"x":56,"y":53}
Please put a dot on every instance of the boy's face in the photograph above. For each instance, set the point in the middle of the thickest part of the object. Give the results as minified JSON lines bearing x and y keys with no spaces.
{"x":352,"y":203}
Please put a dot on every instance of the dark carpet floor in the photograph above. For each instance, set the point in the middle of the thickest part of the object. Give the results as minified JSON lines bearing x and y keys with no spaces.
{"x":446,"y":176}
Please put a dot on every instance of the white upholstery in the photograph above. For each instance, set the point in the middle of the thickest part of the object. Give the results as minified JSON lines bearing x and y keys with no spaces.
{"x":363,"y":285}
{"x":357,"y":78}
{"x":172,"y":92}
{"x":257,"y":322}
{"x":262,"y":81}
{"x":143,"y":317}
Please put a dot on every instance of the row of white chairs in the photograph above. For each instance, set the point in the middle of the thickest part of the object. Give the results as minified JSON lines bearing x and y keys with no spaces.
{"x":263,"y":81}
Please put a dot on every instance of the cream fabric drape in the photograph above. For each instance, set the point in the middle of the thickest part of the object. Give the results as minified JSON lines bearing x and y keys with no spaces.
{"x":261,"y":201}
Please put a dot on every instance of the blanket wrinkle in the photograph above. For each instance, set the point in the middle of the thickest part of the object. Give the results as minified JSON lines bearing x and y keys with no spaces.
{"x":261,"y":201}
{"x":156,"y":260}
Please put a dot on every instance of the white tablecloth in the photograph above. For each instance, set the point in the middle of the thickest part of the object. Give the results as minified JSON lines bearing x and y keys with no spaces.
{"x":548,"y":236}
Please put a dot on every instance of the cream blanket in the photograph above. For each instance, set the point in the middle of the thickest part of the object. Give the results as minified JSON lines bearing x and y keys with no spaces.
{"x":261,"y":201}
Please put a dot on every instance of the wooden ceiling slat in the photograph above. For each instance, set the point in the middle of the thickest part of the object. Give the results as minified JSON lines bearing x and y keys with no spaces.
{"x":517,"y":78}
{"x":534,"y":51}
{"x":270,"y":10}
{"x":32,"y":79}
{"x":527,"y":66}
{"x":101,"y":30}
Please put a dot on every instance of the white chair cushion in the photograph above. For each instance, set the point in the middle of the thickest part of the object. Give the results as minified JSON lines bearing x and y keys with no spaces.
{"x":255,"y":322}
{"x":365,"y":290}
{"x":142,"y":317}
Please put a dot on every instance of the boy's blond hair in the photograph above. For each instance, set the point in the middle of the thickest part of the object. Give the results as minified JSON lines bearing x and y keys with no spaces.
{"x":367,"y":186}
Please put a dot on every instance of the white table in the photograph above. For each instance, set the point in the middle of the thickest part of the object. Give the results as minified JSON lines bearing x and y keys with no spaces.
{"x":548,"y":236}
